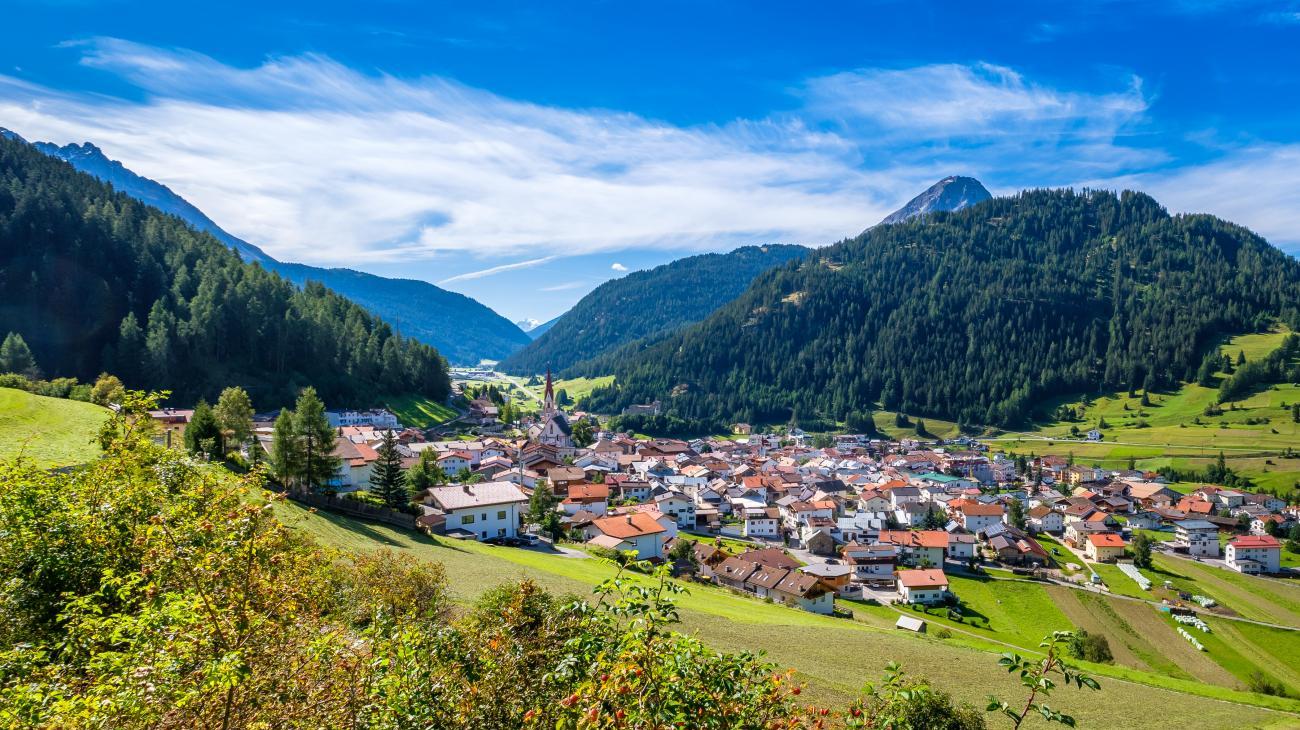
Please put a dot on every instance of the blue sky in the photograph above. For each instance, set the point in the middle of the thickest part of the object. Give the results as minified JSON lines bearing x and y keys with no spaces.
{"x":523,"y":153}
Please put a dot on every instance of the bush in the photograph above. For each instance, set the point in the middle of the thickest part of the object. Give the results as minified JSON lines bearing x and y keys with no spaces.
{"x":1091,"y":647}
{"x":943,"y":634}
{"x":1258,"y":682}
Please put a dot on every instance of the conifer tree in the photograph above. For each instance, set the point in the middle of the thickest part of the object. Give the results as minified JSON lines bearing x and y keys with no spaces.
{"x":202,"y":434}
{"x":316,"y":439}
{"x":386,"y":479}
{"x":286,"y":454}
{"x":16,"y":357}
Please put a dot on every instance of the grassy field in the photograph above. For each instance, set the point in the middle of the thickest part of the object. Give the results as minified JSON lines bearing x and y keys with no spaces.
{"x":419,"y":412}
{"x":836,"y":656}
{"x":1261,"y":599}
{"x":48,"y":431}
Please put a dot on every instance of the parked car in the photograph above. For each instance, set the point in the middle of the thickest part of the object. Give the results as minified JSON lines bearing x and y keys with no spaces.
{"x":531,"y":540}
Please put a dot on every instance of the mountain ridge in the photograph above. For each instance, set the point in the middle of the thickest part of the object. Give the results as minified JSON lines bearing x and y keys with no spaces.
{"x":461,"y":328}
{"x":950,"y":194}
{"x":645,"y":304}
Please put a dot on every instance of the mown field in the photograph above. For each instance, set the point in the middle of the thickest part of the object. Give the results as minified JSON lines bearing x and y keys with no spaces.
{"x":48,"y":431}
{"x":419,"y":412}
{"x":836,"y":656}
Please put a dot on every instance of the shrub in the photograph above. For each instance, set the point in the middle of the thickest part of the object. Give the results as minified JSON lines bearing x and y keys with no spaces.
{"x":1090,"y":647}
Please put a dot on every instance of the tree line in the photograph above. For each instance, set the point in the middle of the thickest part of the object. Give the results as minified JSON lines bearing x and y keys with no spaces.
{"x":96,"y":281}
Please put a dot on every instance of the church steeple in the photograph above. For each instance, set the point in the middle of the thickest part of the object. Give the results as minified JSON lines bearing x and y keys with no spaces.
{"x":548,"y":396}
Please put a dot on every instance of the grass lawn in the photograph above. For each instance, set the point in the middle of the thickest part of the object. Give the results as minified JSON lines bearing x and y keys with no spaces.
{"x":937,"y":428}
{"x":1121,"y":584}
{"x":48,"y":431}
{"x":1261,"y":599}
{"x":419,"y":412}
{"x":835,"y":656}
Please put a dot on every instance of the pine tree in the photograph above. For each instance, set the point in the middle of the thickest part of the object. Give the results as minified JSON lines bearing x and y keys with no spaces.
{"x":202,"y":434}
{"x":386,"y":479}
{"x":316,"y":436}
{"x":234,"y":412}
{"x":286,"y":456}
{"x":16,"y":357}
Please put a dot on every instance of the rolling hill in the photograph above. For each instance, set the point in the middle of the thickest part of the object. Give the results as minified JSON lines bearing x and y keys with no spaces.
{"x":976,"y":316}
{"x":50,"y":432}
{"x":646,"y":304}
{"x":462,"y":329}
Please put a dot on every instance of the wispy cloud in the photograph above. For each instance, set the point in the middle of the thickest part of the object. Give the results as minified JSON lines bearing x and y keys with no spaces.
{"x":318,"y":162}
{"x":616,"y":266}
{"x":498,"y":269}
{"x":566,"y":286}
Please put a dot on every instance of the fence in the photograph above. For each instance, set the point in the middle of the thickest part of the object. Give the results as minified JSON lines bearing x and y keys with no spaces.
{"x":353,"y":508}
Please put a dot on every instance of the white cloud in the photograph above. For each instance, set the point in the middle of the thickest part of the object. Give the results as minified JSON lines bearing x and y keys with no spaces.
{"x":616,"y":266}
{"x":498,"y":269}
{"x":566,"y":286}
{"x":317,"y":162}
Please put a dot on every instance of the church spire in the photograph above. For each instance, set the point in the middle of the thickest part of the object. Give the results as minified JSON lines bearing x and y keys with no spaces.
{"x":548,"y":396}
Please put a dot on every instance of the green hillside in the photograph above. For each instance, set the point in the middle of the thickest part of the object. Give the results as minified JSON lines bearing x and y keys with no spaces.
{"x":976,"y":316}
{"x":645,"y":304}
{"x":1181,"y":427}
{"x":48,"y":431}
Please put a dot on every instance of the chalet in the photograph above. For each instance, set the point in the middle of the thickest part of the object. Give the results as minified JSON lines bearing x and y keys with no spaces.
{"x":481,"y":511}
{"x":870,"y":562}
{"x":804,"y":591}
{"x":562,"y":477}
{"x":1254,"y":554}
{"x":976,"y":516}
{"x":733,"y":572}
{"x":638,"y":532}
{"x":927,"y":586}
{"x":835,"y":577}
{"x":1045,"y":519}
{"x":917,"y":547}
{"x":1104,"y":547}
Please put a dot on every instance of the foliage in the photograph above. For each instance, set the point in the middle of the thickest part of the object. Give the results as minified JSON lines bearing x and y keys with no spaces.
{"x":1142,"y":544}
{"x":202,"y":434}
{"x":1036,"y":675}
{"x":583,"y":434}
{"x":424,"y":473}
{"x":234,"y":413}
{"x":1275,"y":367}
{"x":1103,"y":291}
{"x":903,"y":703}
{"x":644,"y":305}
{"x":1093,"y":648}
{"x":174,"y":307}
{"x":16,"y":357}
{"x":1016,"y":513}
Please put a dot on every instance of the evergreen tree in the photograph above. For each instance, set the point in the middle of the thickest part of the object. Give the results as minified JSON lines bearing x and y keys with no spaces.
{"x":202,"y":434}
{"x":386,"y":478}
{"x":16,"y":357}
{"x":286,"y":451}
{"x":234,"y":412}
{"x":316,"y":436}
{"x":582,"y":433}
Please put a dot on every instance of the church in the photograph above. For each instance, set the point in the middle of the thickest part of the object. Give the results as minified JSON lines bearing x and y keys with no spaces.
{"x":552,"y":427}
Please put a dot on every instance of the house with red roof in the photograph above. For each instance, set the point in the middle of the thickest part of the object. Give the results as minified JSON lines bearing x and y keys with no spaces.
{"x":1104,"y":547}
{"x":1254,"y":554}
{"x":923,"y":586}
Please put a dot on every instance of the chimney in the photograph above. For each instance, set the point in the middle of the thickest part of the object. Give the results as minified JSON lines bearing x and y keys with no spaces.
{"x":467,"y":489}
{"x":629,"y":519}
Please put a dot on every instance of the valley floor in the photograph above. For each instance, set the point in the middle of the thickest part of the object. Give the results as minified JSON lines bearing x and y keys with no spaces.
{"x":1155,"y":667}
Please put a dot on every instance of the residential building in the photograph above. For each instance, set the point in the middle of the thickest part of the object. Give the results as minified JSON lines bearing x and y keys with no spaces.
{"x":1198,"y":537}
{"x":1104,"y":547}
{"x":923,"y":586}
{"x":1254,"y":554}
{"x":639,"y":532}
{"x":482,"y":511}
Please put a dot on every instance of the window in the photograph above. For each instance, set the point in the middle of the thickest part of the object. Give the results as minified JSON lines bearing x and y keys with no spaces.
{"x":485,"y":517}
{"x":467,"y":519}
{"x":501,"y":514}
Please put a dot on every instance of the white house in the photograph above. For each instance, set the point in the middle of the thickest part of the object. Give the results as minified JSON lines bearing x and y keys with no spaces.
{"x":922,"y":586}
{"x":378,"y":418}
{"x":453,"y":461}
{"x":486,"y":510}
{"x":762,"y":522}
{"x":961,"y":546}
{"x":677,"y":506}
{"x":1254,"y":554}
{"x":1045,"y":519}
{"x":1200,"y":537}
{"x":638,"y":532}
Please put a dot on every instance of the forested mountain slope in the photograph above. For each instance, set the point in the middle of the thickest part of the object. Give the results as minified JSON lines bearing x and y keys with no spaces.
{"x":973,"y":315}
{"x":461,"y":328}
{"x":94,"y":280}
{"x":646,"y":304}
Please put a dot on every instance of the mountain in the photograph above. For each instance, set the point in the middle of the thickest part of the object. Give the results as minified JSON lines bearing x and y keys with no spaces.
{"x":646,"y":304}
{"x":949,"y":194}
{"x":462,"y":329}
{"x":535,"y":328}
{"x":95,"y":280}
{"x":976,"y":316}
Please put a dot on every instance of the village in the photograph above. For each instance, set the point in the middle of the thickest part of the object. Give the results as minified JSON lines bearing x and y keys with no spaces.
{"x":775,"y":517}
